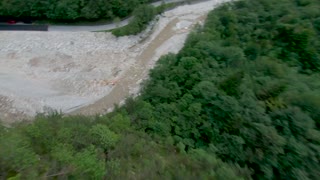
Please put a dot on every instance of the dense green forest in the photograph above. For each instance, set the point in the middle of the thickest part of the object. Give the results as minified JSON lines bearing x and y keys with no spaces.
{"x":69,"y":9}
{"x":241,"y":100}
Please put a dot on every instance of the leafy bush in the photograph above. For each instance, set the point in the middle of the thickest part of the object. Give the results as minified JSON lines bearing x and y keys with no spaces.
{"x":141,"y":18}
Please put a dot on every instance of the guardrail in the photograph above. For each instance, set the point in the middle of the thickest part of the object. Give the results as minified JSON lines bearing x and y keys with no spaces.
{"x":23,"y":27}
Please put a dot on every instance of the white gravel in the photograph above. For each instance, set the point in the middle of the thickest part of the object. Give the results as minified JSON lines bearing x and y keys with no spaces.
{"x":67,"y":70}
{"x":60,"y":70}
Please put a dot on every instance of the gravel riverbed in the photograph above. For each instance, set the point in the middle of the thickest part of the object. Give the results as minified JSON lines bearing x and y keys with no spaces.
{"x":83,"y":72}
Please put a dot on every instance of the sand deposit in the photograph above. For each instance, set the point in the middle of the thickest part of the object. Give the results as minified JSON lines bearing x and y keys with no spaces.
{"x":85,"y":72}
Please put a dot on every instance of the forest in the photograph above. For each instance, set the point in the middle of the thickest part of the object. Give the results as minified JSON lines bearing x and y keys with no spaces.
{"x":69,"y":10}
{"x":241,"y":100}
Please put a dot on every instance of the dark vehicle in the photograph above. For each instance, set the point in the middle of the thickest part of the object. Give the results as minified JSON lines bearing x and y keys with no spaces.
{"x":25,"y":21}
{"x":11,"y":22}
{"x":16,"y":20}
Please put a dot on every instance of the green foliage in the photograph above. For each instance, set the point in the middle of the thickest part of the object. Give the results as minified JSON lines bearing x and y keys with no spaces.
{"x":69,"y":10}
{"x":63,"y":153}
{"x":119,"y":123}
{"x":142,"y":15}
{"x":245,"y":65}
{"x":16,"y":154}
{"x":88,"y":164}
{"x":239,"y":101}
{"x":219,"y":170}
{"x":231,"y":84}
{"x":103,"y":136}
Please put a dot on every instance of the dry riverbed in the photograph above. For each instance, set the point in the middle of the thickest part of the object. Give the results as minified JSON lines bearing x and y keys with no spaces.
{"x":85,"y":72}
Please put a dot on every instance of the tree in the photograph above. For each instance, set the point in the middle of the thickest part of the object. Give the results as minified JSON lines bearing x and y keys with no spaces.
{"x":103,"y":137}
{"x":17,"y":156}
{"x":88,"y":164}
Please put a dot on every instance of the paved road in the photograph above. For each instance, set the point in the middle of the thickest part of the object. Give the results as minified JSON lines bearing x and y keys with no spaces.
{"x":102,"y":27}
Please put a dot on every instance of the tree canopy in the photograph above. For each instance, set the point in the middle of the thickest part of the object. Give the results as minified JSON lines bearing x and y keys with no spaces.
{"x":69,"y":9}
